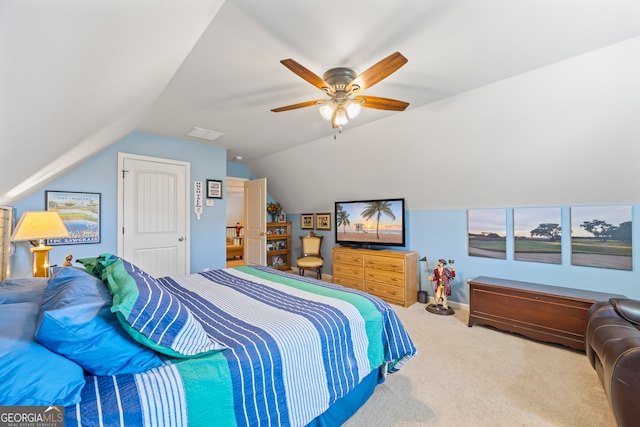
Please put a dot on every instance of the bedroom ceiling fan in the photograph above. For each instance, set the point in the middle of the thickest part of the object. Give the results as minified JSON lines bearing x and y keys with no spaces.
{"x":343,"y":86}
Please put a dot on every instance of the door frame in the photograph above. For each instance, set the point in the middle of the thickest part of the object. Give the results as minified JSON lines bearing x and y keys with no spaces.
{"x":120,"y":208}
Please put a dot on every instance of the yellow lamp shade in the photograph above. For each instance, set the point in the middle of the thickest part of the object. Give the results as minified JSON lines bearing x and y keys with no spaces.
{"x":39,"y":225}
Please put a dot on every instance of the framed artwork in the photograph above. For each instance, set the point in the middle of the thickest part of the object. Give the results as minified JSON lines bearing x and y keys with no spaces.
{"x":306,"y":221}
{"x":80,"y":213}
{"x":487,"y":231}
{"x":214,"y":189}
{"x":537,"y":235}
{"x":323,"y":221}
{"x":601,"y":236}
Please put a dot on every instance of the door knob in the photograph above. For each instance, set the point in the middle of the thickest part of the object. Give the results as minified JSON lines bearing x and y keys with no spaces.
{"x":180,"y":239}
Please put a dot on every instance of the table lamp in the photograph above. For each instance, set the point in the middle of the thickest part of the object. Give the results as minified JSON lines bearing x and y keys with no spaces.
{"x":38,"y":226}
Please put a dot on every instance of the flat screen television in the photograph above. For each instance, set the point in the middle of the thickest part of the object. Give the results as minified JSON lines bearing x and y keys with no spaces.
{"x":370,"y":223}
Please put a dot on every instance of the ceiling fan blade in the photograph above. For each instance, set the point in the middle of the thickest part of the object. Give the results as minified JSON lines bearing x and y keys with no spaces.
{"x":307,"y":75}
{"x":299,"y":105}
{"x":382,"y":103}
{"x":378,"y":72}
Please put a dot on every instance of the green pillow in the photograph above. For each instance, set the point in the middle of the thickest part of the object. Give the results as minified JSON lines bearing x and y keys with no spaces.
{"x":96,"y":266}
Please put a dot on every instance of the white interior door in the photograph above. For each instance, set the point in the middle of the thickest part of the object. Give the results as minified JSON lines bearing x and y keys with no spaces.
{"x":153,"y":214}
{"x":255,"y":224}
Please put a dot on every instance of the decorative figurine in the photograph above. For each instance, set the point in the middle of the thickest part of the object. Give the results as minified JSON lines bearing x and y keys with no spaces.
{"x":442,"y":276}
{"x":67,"y":262}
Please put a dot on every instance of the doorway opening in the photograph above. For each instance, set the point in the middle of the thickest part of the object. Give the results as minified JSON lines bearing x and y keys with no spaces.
{"x":235,"y":221}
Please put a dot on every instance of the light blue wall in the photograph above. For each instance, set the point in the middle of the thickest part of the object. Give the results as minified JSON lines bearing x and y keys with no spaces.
{"x":238,"y":170}
{"x":99,"y":175}
{"x":432,"y":233}
{"x":443,"y":234}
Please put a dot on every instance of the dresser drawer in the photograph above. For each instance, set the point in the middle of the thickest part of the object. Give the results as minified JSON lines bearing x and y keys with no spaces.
{"x":349,"y":282}
{"x":391,"y":275}
{"x":384,"y":263}
{"x":385,"y":277}
{"x":389,"y":293}
{"x":348,"y":258}
{"x":356,"y":271}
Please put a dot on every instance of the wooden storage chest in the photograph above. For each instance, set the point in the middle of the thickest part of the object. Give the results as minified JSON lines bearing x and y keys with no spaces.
{"x":542,"y":312}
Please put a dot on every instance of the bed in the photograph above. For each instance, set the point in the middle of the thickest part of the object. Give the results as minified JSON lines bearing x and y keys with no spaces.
{"x":245,"y":346}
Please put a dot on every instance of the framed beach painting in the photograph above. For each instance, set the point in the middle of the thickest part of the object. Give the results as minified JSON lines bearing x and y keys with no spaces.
{"x":537,"y":235}
{"x":601,"y":236}
{"x":487,"y":232}
{"x":80,"y":213}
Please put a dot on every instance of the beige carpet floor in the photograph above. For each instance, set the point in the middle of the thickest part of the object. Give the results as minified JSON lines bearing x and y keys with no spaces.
{"x":480,"y":376}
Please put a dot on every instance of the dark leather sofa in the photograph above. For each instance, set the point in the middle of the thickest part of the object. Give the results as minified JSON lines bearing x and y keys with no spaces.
{"x":612,"y":341}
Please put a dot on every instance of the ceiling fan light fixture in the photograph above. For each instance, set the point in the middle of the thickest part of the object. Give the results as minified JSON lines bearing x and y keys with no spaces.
{"x":353,"y":109}
{"x":341,"y":117}
{"x":326,"y":110}
{"x":343,"y":86}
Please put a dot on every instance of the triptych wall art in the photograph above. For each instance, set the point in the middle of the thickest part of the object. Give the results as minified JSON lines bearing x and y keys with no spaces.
{"x":537,"y":235}
{"x":487,"y":229}
{"x":601,"y":236}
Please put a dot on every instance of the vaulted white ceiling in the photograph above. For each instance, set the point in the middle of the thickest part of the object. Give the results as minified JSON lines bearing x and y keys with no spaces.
{"x":76,"y":76}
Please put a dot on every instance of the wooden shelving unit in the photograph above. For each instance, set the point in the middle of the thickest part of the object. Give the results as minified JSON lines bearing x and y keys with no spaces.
{"x":279,"y":245}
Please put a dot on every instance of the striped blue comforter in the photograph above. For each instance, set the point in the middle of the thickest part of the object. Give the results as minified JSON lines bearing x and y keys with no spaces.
{"x":295,"y":346}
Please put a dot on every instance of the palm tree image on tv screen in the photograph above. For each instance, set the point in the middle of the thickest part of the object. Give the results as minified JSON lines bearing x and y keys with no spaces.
{"x":373,"y":222}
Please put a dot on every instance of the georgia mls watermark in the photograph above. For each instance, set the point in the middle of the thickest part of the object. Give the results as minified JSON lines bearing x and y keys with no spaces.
{"x":31,"y":416}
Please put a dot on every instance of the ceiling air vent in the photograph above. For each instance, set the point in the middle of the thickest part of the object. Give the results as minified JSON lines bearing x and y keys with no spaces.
{"x":201,"y":133}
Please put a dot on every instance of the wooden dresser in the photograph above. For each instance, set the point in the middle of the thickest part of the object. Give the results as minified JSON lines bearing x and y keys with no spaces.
{"x":388,"y":274}
{"x":542,"y":312}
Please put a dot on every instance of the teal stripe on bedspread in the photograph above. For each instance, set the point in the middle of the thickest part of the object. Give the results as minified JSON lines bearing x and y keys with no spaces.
{"x":398,"y":346}
{"x":208,"y":385}
{"x":371,"y":316}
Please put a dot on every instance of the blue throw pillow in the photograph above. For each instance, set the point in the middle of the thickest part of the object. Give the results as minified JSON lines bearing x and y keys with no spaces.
{"x":76,"y":321}
{"x":153,"y":315}
{"x":23,"y":289}
{"x":31,"y":374}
